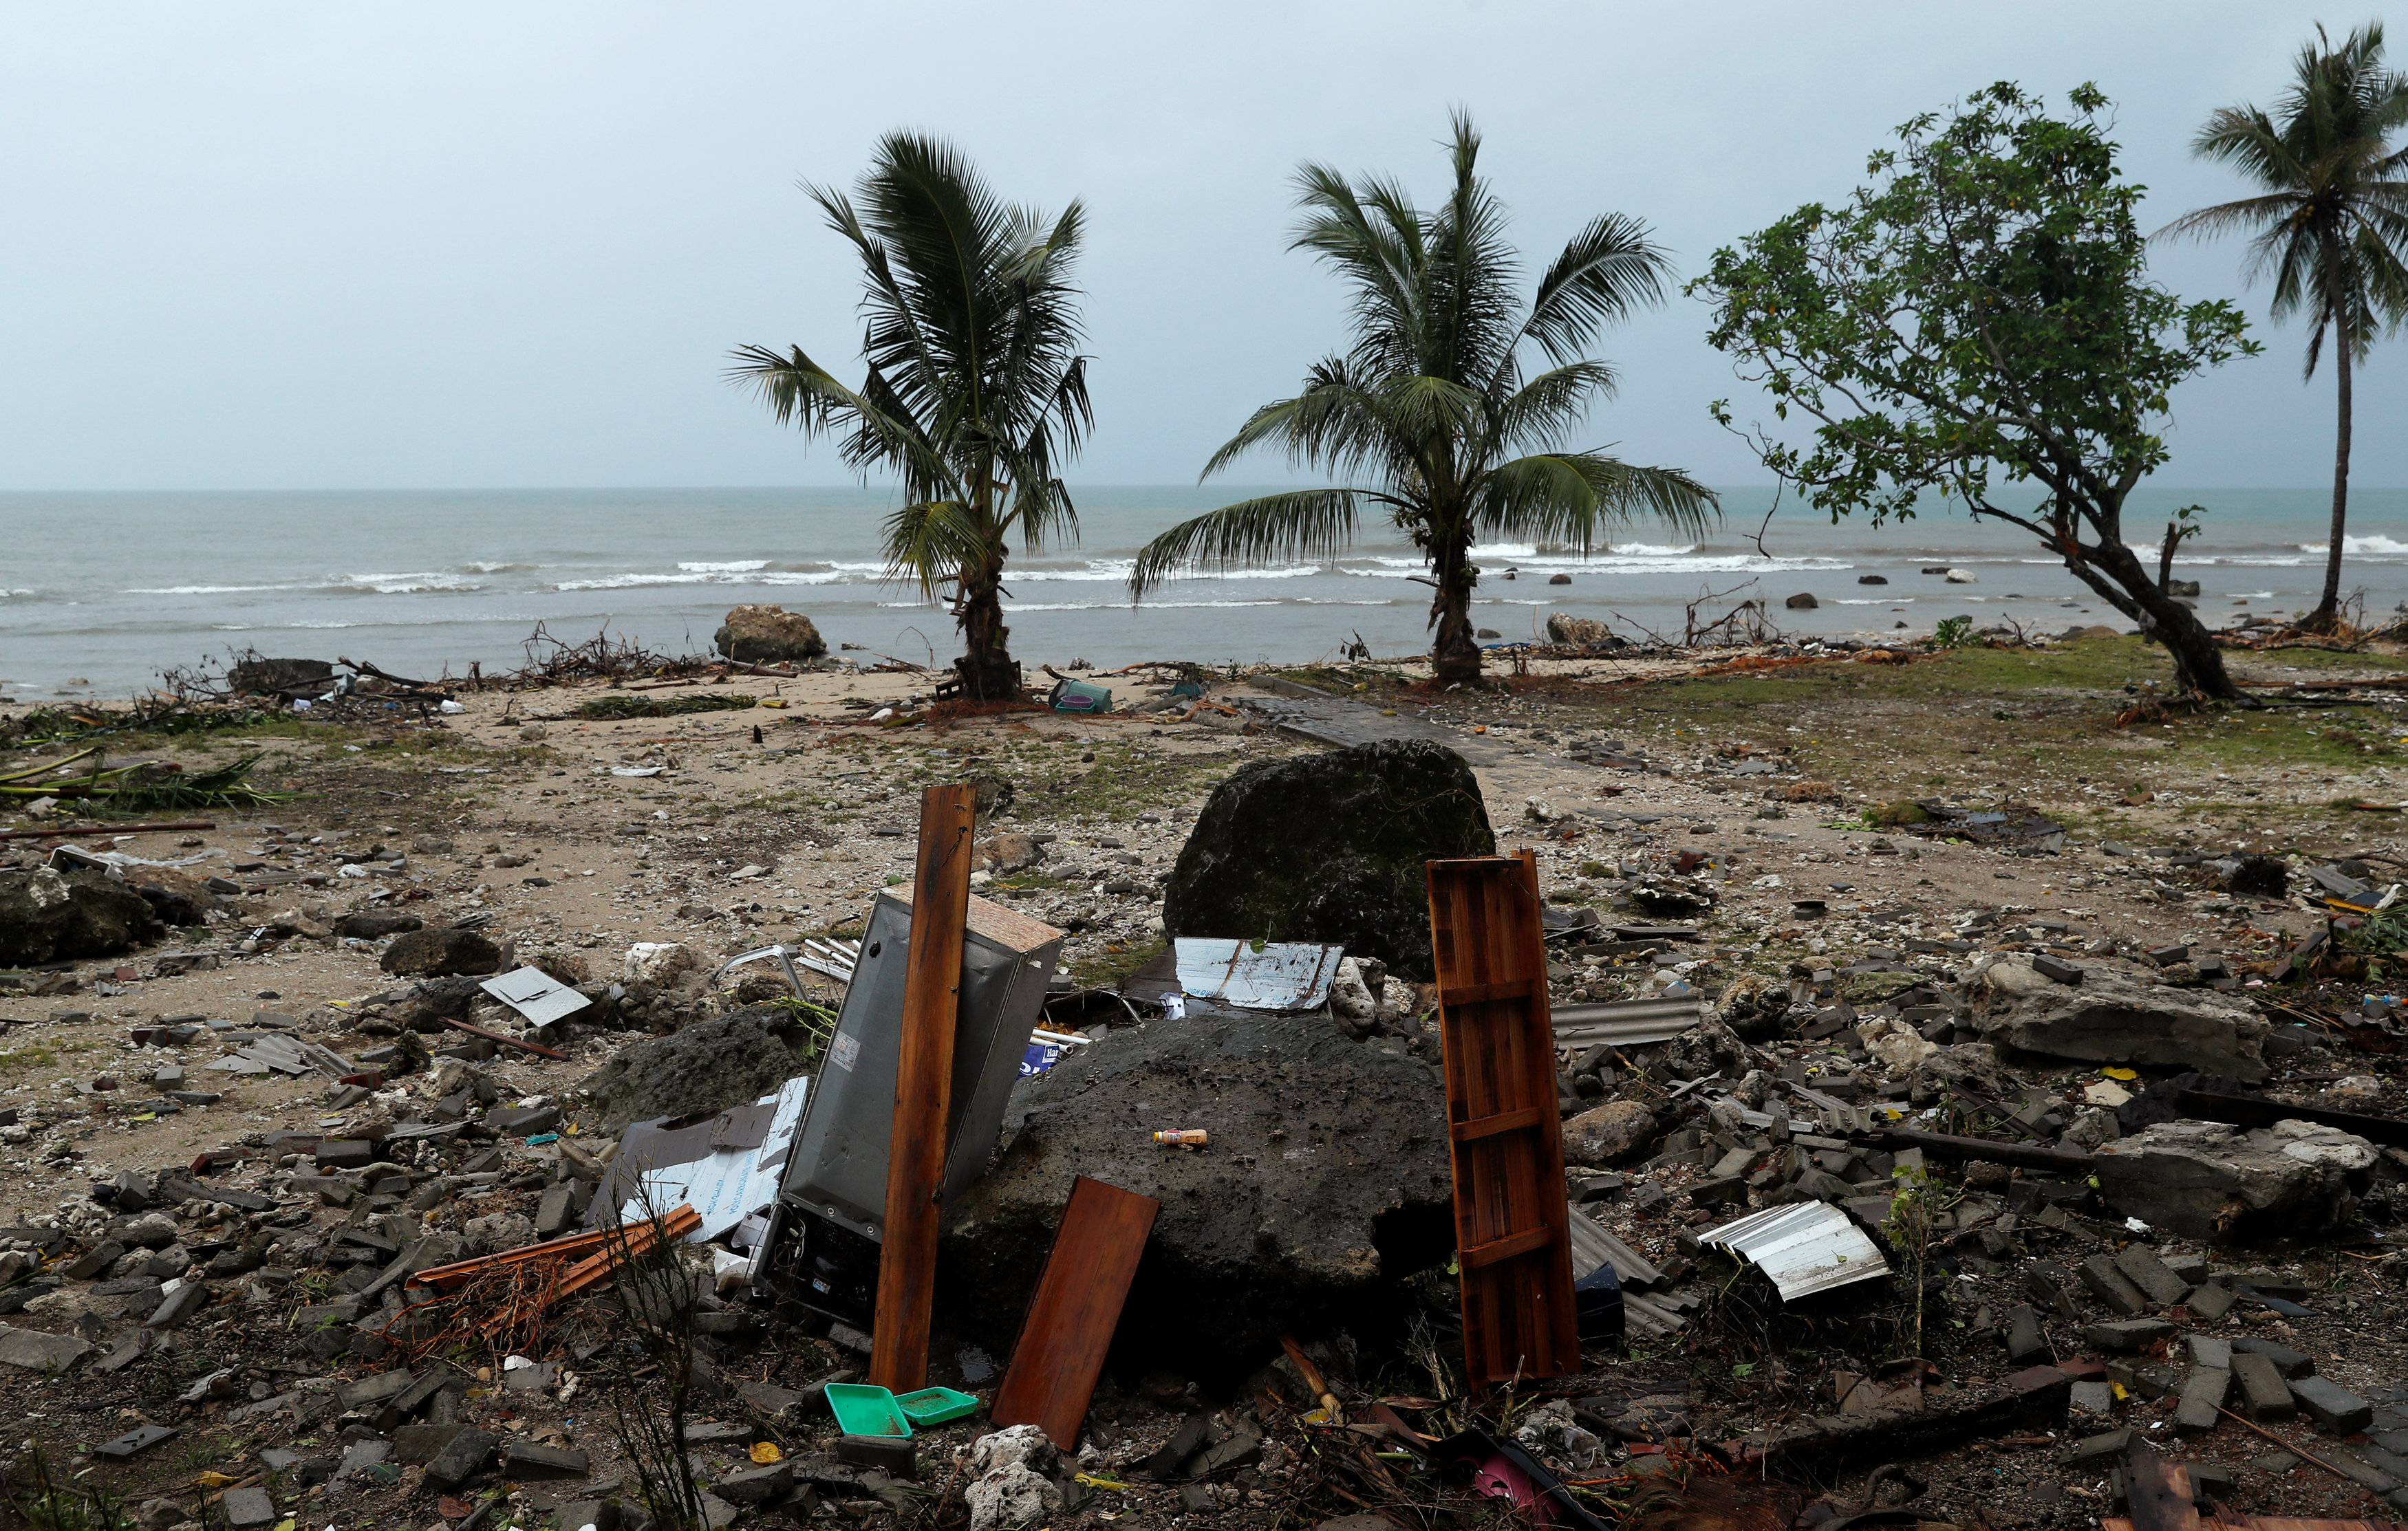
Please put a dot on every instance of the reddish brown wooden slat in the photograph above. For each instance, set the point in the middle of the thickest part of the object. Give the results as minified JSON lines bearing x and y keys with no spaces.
{"x":1076,"y":1305}
{"x":1480,"y":994}
{"x":923,"y":1082}
{"x":1510,"y":1220}
{"x":1505,"y":1248}
{"x":2159,"y":1493}
{"x":1489,"y":1126}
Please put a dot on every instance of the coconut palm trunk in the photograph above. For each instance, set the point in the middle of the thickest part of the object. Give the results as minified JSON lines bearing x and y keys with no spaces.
{"x":2327,"y":612}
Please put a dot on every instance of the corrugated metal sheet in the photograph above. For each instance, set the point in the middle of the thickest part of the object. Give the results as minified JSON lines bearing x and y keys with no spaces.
{"x":1288,"y":976}
{"x":1804,"y":1248}
{"x":1626,"y":1023}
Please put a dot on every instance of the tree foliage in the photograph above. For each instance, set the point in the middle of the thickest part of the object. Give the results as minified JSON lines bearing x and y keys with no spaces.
{"x":975,"y":389}
{"x":2330,"y":219}
{"x":1977,"y":324}
{"x":1433,"y":409}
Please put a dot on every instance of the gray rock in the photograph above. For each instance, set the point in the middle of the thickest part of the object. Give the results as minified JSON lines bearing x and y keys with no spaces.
{"x":731,"y":1060}
{"x":525,"y":1458}
{"x":180,"y":1304}
{"x":441,"y":954}
{"x":1608,"y":1134}
{"x":2206,"y":1180}
{"x":1354,"y":1191}
{"x":1968,"y":1066}
{"x":768,"y":635}
{"x":150,"y":1231}
{"x":248,"y":1507}
{"x":1706,"y":1049}
{"x":1330,"y":847}
{"x":2112,"y":1016}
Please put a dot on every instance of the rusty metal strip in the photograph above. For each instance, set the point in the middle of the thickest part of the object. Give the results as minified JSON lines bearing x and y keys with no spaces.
{"x":1512,"y":1225}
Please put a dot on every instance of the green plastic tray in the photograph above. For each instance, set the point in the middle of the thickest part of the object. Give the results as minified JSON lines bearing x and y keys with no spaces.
{"x":864,"y":1410}
{"x":935,"y":1406}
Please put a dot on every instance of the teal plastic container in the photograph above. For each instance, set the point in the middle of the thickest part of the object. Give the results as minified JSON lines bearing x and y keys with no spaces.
{"x":1079,"y":696}
{"x":936,"y":1405}
{"x":861,"y":1409}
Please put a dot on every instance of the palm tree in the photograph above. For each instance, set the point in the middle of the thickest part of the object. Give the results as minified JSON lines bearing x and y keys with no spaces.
{"x":2331,"y":222}
{"x":975,"y":383}
{"x":1431,"y":403}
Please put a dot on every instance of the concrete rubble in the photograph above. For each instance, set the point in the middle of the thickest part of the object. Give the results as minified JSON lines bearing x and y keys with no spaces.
{"x":2055,"y":1252}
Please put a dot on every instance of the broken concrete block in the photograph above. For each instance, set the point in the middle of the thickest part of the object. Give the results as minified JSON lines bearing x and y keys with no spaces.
{"x":2128,"y":1335}
{"x":889,"y":1454}
{"x":180,"y":1304}
{"x":2149,"y":1273}
{"x":244,"y":1508}
{"x":2264,"y":1394}
{"x":38,"y":1351}
{"x":419,"y":1442}
{"x":525,"y":1458}
{"x":2112,"y":1016}
{"x":2209,"y":1351}
{"x":2026,"y":1341}
{"x":127,"y":1446}
{"x":2285,"y":1361}
{"x":2202,"y":1392}
{"x":2092,"y":1397}
{"x":757,"y":1486}
{"x":2102,"y":1275}
{"x":345,"y":1153}
{"x":2212,"y":1302}
{"x":2331,"y":1405}
{"x":460,"y":1457}
{"x":2209,"y":1180}
{"x":376,"y":1389}
{"x":2099,"y":1451}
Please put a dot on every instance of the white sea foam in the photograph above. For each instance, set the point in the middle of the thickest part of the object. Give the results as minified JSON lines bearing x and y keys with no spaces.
{"x":737,"y":565}
{"x":209,"y":589}
{"x":764,"y":576}
{"x":409,"y":585}
{"x":2359,"y":547}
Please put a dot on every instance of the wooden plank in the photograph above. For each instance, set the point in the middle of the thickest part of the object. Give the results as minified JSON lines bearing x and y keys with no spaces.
{"x":924,"y":1083}
{"x":1489,"y":1126}
{"x":1505,"y":1248}
{"x":1074,"y":1311}
{"x":1518,"y":1319}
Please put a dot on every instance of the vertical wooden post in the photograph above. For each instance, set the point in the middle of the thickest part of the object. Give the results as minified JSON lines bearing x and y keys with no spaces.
{"x":924,"y":1076}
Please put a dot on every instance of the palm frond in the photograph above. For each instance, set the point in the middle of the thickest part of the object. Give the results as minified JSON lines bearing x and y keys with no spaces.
{"x":929,"y":541}
{"x":1306,"y":524}
{"x":1574,"y":497}
{"x":1608,"y":269}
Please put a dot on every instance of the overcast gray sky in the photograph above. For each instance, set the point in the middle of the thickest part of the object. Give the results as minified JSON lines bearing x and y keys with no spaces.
{"x":311,"y":245}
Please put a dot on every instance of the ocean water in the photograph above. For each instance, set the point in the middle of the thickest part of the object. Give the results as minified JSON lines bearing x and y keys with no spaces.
{"x":99,"y":591}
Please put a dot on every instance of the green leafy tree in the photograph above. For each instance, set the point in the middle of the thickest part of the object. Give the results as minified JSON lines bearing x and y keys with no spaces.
{"x":975,"y":386}
{"x":1432,"y":404}
{"x":2329,"y":223}
{"x":1978,"y":324}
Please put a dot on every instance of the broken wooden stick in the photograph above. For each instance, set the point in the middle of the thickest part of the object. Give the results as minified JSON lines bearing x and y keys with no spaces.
{"x":105,"y":829}
{"x":507,"y":1041}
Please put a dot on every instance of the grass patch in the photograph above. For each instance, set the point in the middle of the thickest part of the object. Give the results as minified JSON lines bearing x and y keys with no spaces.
{"x":1108,"y":966}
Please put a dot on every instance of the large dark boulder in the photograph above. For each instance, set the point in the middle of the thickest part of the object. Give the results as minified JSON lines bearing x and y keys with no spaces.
{"x":48,"y":916}
{"x":1329,"y":848}
{"x":1325,"y":1184}
{"x":768,"y":635}
{"x":729,"y":1060}
{"x":441,"y":954}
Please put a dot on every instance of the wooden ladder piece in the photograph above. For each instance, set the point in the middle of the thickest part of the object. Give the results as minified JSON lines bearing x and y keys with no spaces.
{"x":1512,"y":1225}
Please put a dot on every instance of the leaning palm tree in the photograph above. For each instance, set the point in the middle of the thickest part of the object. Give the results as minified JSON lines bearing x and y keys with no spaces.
{"x":1431,"y":403}
{"x":2331,"y":223}
{"x":974,"y":387}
